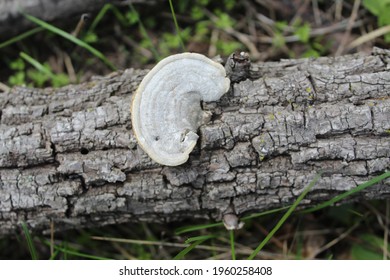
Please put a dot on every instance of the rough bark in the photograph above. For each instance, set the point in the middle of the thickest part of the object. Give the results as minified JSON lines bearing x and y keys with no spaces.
{"x":12,"y":21}
{"x":68,"y":155}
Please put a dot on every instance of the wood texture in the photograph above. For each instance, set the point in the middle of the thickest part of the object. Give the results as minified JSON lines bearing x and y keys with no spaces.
{"x":68,"y":155}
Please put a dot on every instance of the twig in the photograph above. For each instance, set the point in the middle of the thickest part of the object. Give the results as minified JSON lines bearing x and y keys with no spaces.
{"x":69,"y":68}
{"x":338,"y":239}
{"x":243,"y":38}
{"x":313,"y":33}
{"x":368,"y":37}
{"x":80,"y":25}
{"x":4,"y":87}
{"x":316,"y":12}
{"x":338,"y":10}
{"x":347,"y":33}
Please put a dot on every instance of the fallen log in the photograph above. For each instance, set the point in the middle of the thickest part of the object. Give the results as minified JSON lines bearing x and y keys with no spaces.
{"x":69,"y":156}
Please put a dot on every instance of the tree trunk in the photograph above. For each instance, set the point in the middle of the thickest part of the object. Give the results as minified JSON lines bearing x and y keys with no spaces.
{"x":68,"y":155}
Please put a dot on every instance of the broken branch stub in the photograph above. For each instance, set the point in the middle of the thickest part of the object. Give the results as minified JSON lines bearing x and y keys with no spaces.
{"x":166,"y":112}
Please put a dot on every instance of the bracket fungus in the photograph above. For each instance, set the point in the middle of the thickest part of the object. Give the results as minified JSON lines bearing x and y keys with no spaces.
{"x":166,"y":111}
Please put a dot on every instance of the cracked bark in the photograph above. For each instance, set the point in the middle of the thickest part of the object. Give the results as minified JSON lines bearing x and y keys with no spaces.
{"x":68,"y":155}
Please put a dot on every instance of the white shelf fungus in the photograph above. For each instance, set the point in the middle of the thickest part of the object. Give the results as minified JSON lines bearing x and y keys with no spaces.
{"x":166,"y":112}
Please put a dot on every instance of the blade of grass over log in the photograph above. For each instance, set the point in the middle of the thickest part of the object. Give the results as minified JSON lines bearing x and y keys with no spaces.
{"x":256,"y":215}
{"x":196,"y":241}
{"x":285,"y":216}
{"x":339,"y":197}
{"x":187,"y":229}
{"x":21,"y":37}
{"x":30,"y":243}
{"x":71,"y":38}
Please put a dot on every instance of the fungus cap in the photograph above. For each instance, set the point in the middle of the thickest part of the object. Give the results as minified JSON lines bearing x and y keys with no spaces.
{"x":166,"y":112}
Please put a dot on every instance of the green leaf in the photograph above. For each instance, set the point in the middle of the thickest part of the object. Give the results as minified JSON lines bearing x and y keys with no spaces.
{"x":132,"y":17}
{"x":384,"y":15}
{"x":202,"y":28}
{"x":375,"y":6}
{"x":359,"y":252}
{"x":17,"y":64}
{"x":387,"y":38}
{"x":60,"y":79}
{"x":303,"y":32}
{"x":90,"y":37}
{"x":224,"y":20}
{"x":310,"y":53}
{"x":278,"y":40}
{"x":229,"y":4}
{"x":17,"y":79}
{"x":38,"y":77}
{"x":370,"y":249}
{"x":380,"y":8}
{"x":197,"y":13}
{"x":227,"y":47}
{"x":281,"y":25}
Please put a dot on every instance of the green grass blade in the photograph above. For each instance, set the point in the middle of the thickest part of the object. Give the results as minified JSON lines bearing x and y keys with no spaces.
{"x":99,"y":17}
{"x":21,"y":37}
{"x":231,"y":233}
{"x":176,"y":26}
{"x":196,"y":227}
{"x":285,"y":216}
{"x":201,"y":237}
{"x":78,"y":254}
{"x":206,"y":226}
{"x":339,"y":197}
{"x":103,"y":11}
{"x":185,"y":251}
{"x":196,"y":241}
{"x":69,"y":251}
{"x":145,"y":34}
{"x":71,"y":38}
{"x":256,"y":215}
{"x":36,"y":64}
{"x":30,"y":242}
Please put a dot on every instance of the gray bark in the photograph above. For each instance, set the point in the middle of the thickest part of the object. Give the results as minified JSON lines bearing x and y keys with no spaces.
{"x":68,"y":155}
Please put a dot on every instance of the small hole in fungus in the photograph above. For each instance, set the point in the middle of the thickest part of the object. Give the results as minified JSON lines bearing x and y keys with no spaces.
{"x":84,"y":151}
{"x":156,"y":138}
